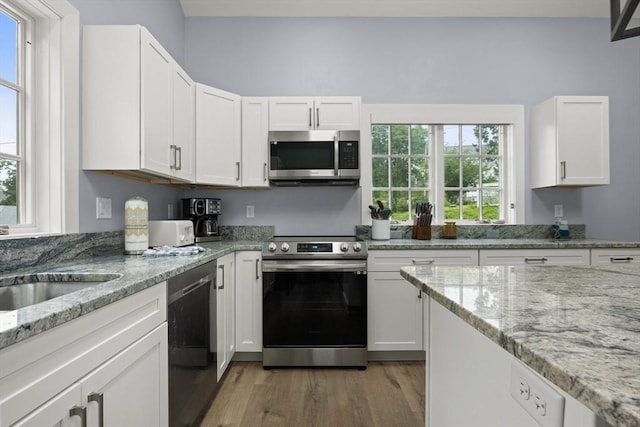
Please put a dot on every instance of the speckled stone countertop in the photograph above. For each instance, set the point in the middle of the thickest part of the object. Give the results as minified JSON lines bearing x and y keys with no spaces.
{"x":136,"y":273}
{"x":579,"y":327}
{"x":408,"y":244}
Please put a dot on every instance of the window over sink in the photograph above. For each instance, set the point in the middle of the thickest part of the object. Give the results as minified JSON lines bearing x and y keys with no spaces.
{"x":466,"y":160}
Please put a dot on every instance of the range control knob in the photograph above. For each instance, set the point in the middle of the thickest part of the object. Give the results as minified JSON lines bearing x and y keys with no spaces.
{"x":284,"y":247}
{"x":344,"y":247}
{"x":272,"y":247}
{"x":357,"y":246}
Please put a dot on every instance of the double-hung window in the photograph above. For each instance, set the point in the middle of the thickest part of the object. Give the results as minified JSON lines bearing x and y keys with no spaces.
{"x":465,"y":160}
{"x":39,"y":116}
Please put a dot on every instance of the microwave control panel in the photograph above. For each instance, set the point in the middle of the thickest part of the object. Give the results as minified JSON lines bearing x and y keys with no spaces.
{"x":348,"y":155}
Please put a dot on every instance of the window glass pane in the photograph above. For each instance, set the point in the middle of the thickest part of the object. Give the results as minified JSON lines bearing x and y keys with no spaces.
{"x":490,"y":171}
{"x":382,"y":195}
{"x":8,"y":120}
{"x":419,"y":140}
{"x":380,"y":139}
{"x":8,"y":48}
{"x":490,"y":142}
{"x":491,"y":204}
{"x":452,"y":172}
{"x":418,"y":197}
{"x":452,"y":204}
{"x":470,"y":171}
{"x":400,"y":205}
{"x":8,"y":191}
{"x":399,"y":172}
{"x":451,"y":139}
{"x":470,"y":204}
{"x":400,"y":139}
{"x":470,"y":139}
{"x":419,"y":172}
{"x":380,"y":171}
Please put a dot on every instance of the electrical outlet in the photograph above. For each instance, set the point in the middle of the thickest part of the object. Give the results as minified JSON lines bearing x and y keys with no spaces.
{"x":558,"y":211}
{"x":251,"y":211}
{"x":103,"y":208}
{"x":170,"y":211}
{"x":538,"y":398}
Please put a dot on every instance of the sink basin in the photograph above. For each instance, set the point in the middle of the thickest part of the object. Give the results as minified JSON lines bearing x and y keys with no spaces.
{"x":22,"y":291}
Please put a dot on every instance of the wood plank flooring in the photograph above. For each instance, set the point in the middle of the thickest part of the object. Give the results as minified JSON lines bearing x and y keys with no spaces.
{"x":385,"y":394}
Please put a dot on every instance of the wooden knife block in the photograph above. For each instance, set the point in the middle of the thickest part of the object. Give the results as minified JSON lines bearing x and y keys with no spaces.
{"x":421,"y":233}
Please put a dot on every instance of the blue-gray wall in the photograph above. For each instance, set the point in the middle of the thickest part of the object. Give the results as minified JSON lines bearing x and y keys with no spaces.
{"x":420,"y":60}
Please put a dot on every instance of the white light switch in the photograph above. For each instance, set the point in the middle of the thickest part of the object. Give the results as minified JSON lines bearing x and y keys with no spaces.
{"x":103,"y":208}
{"x":250,"y":211}
{"x":558,"y":211}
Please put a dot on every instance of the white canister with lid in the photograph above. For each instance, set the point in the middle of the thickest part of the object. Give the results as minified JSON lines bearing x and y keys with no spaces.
{"x":136,"y":226}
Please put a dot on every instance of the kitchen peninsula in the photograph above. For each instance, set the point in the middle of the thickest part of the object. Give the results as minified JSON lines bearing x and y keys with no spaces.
{"x":578,"y":327}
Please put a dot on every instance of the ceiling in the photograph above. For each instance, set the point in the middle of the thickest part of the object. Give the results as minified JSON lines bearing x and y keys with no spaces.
{"x":399,"y":8}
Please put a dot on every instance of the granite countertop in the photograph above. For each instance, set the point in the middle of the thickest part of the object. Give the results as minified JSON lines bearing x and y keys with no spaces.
{"x":579,"y":327}
{"x":408,"y":244}
{"x":136,"y":273}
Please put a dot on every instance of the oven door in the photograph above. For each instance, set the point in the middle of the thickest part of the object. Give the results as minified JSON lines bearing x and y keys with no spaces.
{"x":314,"y":304}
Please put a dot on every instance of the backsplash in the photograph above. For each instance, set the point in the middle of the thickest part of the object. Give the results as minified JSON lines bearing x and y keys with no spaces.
{"x":479,"y":231}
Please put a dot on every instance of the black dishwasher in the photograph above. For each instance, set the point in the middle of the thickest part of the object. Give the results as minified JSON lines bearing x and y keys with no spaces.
{"x":191,"y":317}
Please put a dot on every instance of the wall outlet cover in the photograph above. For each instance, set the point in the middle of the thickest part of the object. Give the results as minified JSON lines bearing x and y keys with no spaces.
{"x":536,"y":396}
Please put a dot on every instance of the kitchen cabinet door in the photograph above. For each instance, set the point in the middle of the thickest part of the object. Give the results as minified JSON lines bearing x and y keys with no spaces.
{"x":218,"y":137}
{"x":249,"y":301}
{"x":255,"y":142}
{"x":135,"y":105}
{"x":184,"y":122}
{"x":534,"y":257}
{"x":225,"y":312}
{"x":394,"y":313}
{"x":307,"y":113}
{"x":570,"y":142}
{"x":57,"y":411}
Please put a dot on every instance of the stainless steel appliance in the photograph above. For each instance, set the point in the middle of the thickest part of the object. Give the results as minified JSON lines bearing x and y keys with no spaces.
{"x":315,"y":157}
{"x":192,"y":345}
{"x":204,"y":213}
{"x":314,"y":302}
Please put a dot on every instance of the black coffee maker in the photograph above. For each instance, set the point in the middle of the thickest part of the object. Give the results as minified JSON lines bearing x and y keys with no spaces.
{"x":204,"y":213}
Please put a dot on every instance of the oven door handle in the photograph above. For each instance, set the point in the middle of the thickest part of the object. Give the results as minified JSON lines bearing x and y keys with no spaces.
{"x":321,"y":266}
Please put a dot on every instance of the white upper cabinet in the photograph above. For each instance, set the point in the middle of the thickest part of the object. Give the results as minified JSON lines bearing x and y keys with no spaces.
{"x":255,"y":134}
{"x":305,"y":113}
{"x":570,"y":142}
{"x":137,"y":104}
{"x":218,"y":137}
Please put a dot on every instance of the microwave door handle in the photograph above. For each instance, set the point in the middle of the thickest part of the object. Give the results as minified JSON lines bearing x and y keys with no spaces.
{"x":336,"y":154}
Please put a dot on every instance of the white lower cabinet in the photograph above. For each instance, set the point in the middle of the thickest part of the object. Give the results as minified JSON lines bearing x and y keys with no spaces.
{"x":249,"y":301}
{"x":395,"y":307}
{"x":225,"y":312}
{"x":614,"y":256}
{"x":110,"y":364}
{"x":534,"y":257}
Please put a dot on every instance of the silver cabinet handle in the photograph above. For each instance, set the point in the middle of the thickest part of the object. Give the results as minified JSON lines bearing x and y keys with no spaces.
{"x":625,"y":259}
{"x":317,"y":117}
{"x":221,"y":267}
{"x":419,"y":295}
{"x":423,"y":262}
{"x":563,"y":170}
{"x":79,"y":411}
{"x":172,"y":150}
{"x":237,"y":171}
{"x":540,"y":260}
{"x":310,"y":117}
{"x":178,"y":161}
{"x":99,"y":399}
{"x":257,"y":269}
{"x":264,"y":175}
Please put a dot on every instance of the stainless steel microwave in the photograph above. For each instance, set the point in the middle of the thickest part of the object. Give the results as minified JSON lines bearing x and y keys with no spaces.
{"x":315,"y":157}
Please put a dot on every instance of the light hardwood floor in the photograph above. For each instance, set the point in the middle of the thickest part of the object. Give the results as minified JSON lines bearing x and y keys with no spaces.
{"x":385,"y":394}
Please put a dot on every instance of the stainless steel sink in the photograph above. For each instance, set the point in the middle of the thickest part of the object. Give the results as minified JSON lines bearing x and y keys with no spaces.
{"x":22,"y":291}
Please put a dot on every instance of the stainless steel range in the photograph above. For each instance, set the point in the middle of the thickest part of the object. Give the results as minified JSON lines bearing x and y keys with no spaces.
{"x":314,"y":302}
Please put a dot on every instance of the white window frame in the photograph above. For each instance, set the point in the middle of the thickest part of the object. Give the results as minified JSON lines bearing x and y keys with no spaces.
{"x":508,"y":114}
{"x":51,"y":152}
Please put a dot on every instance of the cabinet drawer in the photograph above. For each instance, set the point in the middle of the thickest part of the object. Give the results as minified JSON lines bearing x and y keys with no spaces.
{"x":535,"y":257}
{"x":614,"y":256}
{"x":394,"y":260}
{"x":35,"y":370}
